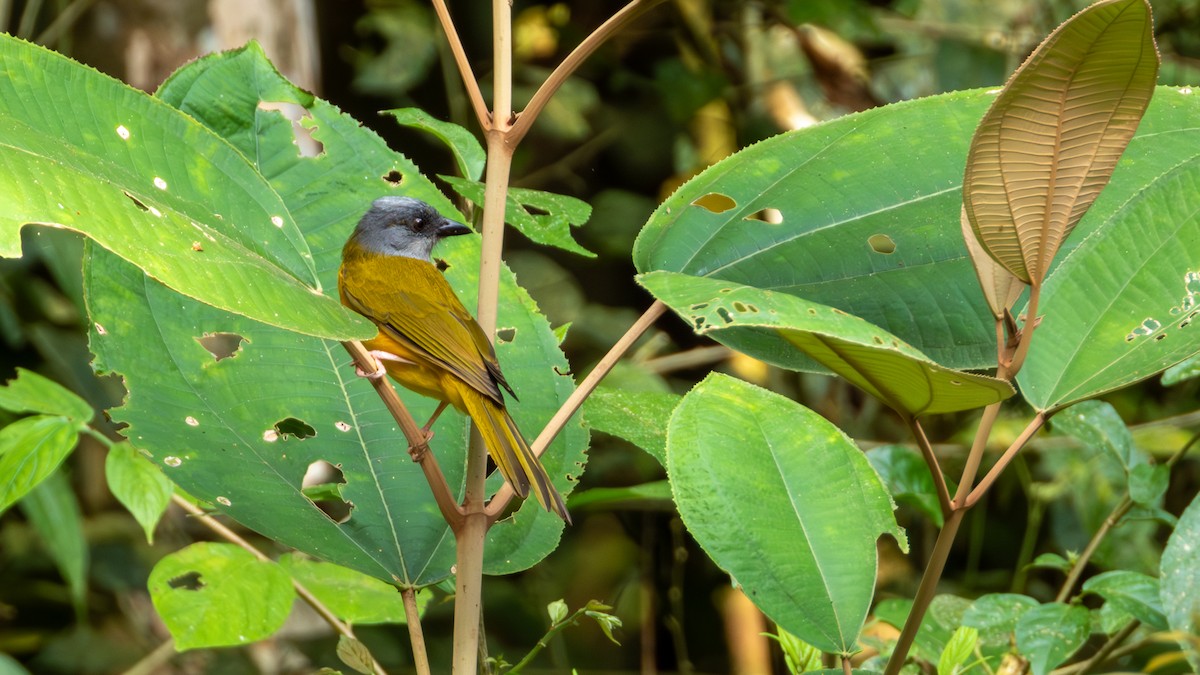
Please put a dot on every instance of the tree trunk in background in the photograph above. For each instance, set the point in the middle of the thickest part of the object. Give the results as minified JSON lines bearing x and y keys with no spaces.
{"x":143,"y":41}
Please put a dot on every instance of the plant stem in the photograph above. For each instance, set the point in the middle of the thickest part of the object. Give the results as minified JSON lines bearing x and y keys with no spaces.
{"x":544,"y":641}
{"x":925,"y":592}
{"x":1108,"y":647}
{"x":931,"y":461}
{"x":155,"y":660}
{"x":413,"y":618}
{"x":418,"y":444}
{"x":975,"y":455}
{"x":1031,"y":322}
{"x":305,"y":594}
{"x":1030,"y":429}
{"x":468,"y":598}
{"x":464,"y":65}
{"x":556,"y":424}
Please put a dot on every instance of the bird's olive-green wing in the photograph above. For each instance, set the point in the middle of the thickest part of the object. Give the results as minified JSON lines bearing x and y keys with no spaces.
{"x":413,"y":304}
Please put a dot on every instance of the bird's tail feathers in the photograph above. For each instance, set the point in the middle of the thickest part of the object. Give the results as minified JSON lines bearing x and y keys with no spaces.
{"x":513,"y":456}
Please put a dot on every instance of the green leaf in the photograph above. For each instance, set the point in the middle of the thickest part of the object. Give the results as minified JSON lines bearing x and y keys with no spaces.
{"x":995,"y":615}
{"x":30,"y":392}
{"x":775,"y":327}
{"x":653,"y":494}
{"x":54,"y":512}
{"x":191,"y":411}
{"x":784,"y":502}
{"x":353,"y":596}
{"x":895,"y":171}
{"x":1182,"y":371}
{"x":546,"y":218}
{"x":1148,"y":483}
{"x":355,"y":654}
{"x":557,"y":611}
{"x":1051,"y":561}
{"x":467,"y":151}
{"x":957,"y":651}
{"x":1133,"y":593}
{"x":139,"y":484}
{"x":907,"y":478}
{"x":800,"y":656}
{"x":85,"y":152}
{"x":639,"y":417}
{"x":1125,"y":304}
{"x":1049,"y":634}
{"x":1052,"y":138}
{"x":219,"y":595}
{"x":10,"y":666}
{"x":1097,"y":424}
{"x":30,"y":450}
{"x":1180,"y":592}
{"x":607,"y":623}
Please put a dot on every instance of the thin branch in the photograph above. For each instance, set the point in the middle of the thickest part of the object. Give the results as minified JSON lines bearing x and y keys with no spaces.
{"x":1123,"y":507}
{"x":154,"y":661}
{"x":415,"y":634}
{"x":590,"y":44}
{"x":925,"y":592}
{"x":975,"y":455}
{"x":418,"y":444}
{"x":557,"y":423}
{"x":1031,"y":323}
{"x":305,"y":594}
{"x":1108,"y":648}
{"x":464,"y":65}
{"x":63,"y":22}
{"x":1032,"y":428}
{"x":502,"y":79}
{"x":931,"y":461}
{"x":692,"y":358}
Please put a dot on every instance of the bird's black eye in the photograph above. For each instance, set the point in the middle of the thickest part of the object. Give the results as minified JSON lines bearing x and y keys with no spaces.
{"x":418,"y":224}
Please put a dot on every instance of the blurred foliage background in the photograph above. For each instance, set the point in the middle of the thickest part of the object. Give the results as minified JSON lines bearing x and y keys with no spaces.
{"x":690,"y":83}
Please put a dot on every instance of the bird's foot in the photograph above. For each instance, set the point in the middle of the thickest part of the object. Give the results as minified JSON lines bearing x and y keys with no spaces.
{"x":380,"y":371}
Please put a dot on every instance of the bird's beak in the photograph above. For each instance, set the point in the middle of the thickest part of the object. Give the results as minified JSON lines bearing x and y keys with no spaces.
{"x":451,"y":229}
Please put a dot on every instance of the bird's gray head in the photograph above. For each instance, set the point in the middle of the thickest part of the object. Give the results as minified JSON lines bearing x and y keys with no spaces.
{"x":404,"y":226}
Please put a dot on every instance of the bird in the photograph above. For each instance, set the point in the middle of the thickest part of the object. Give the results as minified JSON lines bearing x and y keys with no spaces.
{"x":427,"y":340}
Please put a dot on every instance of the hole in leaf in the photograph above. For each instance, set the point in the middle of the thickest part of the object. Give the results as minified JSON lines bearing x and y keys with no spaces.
{"x":699,"y":306}
{"x":534,"y":210}
{"x":442,"y":265}
{"x":294,"y":427}
{"x":876,"y":339}
{"x":506,"y":334}
{"x":188,"y":582}
{"x":302,"y":135}
{"x":322,"y":486}
{"x":221,"y":345}
{"x":715,"y":202}
{"x":1160,"y":336}
{"x":881,"y":243}
{"x":725,"y":315}
{"x":394,"y":177}
{"x":136,"y":202}
{"x":768,"y":216}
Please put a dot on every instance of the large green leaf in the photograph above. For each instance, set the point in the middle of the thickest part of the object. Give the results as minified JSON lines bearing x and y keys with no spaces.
{"x":1123,"y":305}
{"x":1133,"y":593}
{"x":1047,"y":635}
{"x":1050,"y":141}
{"x":82,"y":151}
{"x":241,"y":431}
{"x":217,"y":595}
{"x":777,"y":326}
{"x":784,"y":502}
{"x":53,"y":510}
{"x":892,"y":173}
{"x":1180,"y":591}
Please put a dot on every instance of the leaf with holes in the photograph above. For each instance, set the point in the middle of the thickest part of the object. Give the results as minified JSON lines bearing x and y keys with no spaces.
{"x":544,"y":217}
{"x":85,"y":152}
{"x":1048,"y":634}
{"x":249,"y":455}
{"x":201,"y":594}
{"x":467,"y":151}
{"x":783,"y":501}
{"x":798,"y":214}
{"x":1051,"y":140}
{"x":1125,"y":304}
{"x":776,"y":327}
